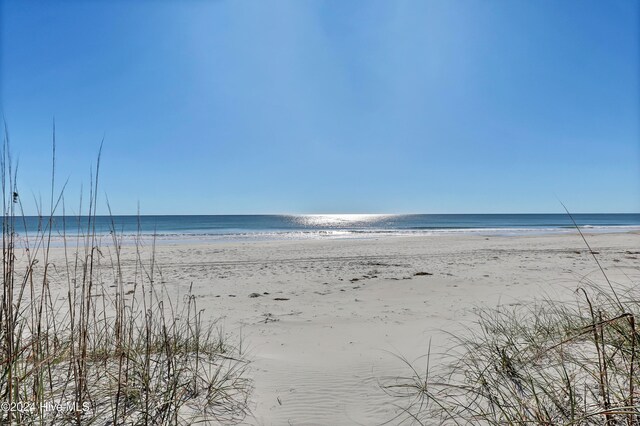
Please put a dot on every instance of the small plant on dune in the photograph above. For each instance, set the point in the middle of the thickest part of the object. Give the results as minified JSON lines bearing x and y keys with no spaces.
{"x":555,"y":363}
{"x":97,"y":339}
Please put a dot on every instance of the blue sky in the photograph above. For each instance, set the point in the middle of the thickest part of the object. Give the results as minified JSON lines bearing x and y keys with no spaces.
{"x":213,"y":107}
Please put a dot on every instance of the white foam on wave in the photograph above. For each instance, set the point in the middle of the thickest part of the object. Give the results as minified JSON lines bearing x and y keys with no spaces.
{"x":255,"y":236}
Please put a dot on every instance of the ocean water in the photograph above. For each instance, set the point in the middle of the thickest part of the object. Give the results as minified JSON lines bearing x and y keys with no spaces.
{"x":279,"y":227}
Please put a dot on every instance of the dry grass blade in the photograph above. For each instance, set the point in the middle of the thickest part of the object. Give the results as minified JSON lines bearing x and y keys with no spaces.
{"x":110,"y":356}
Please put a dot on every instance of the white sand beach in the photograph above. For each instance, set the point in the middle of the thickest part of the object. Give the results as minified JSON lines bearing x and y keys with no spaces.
{"x":323,"y":320}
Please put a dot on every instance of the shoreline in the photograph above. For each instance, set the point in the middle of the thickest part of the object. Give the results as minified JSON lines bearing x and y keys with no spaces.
{"x":178,"y":238}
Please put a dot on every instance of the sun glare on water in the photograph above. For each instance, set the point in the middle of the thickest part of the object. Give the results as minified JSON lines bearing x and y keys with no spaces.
{"x":337,"y":220}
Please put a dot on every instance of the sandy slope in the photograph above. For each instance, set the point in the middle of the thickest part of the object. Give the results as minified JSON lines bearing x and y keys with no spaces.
{"x":319,"y":355}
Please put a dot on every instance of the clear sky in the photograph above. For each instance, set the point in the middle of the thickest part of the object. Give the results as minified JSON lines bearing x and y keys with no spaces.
{"x":213,"y":107}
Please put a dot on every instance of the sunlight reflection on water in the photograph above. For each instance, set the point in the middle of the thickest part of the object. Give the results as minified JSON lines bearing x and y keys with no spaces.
{"x":339,"y":220}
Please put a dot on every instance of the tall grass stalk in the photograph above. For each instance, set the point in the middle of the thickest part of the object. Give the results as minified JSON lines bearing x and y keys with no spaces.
{"x":96,"y":333}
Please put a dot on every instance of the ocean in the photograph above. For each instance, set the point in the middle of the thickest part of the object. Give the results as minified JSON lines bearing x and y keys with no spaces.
{"x":285,"y":227}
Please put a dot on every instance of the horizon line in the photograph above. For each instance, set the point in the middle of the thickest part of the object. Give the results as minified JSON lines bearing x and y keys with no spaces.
{"x":322,"y":214}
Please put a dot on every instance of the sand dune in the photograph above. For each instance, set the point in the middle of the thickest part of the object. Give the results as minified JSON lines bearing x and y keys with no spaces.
{"x":322,"y":320}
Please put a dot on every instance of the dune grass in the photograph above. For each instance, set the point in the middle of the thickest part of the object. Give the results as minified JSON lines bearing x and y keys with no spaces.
{"x":95,"y":340}
{"x":551,"y":363}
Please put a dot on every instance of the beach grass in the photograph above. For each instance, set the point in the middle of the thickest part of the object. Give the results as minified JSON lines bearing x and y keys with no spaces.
{"x":547,"y":363}
{"x":97,"y":340}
